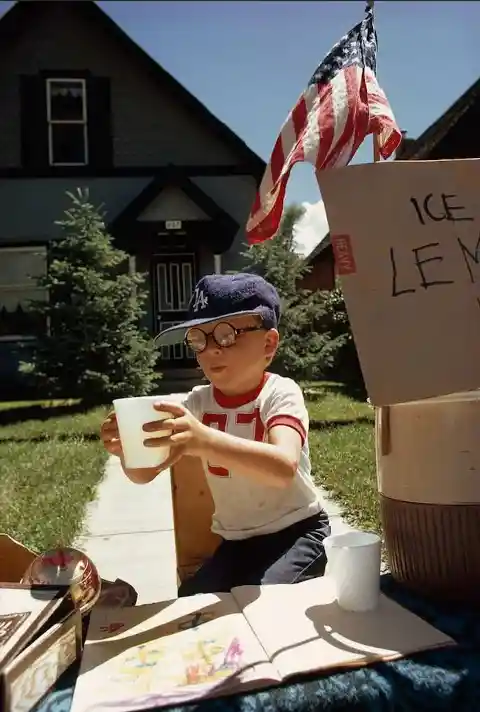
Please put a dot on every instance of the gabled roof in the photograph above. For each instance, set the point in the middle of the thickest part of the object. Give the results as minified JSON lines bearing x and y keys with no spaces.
{"x":406,"y":145}
{"x":422,"y":147}
{"x":177,"y":179}
{"x":318,"y":249}
{"x":24,"y":14}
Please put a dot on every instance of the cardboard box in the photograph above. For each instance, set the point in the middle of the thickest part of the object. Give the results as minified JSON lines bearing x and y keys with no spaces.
{"x":25,"y":613}
{"x":27,"y":678}
{"x":27,"y":675}
{"x":49,"y":645}
{"x":15,"y":558}
{"x":405,"y":235}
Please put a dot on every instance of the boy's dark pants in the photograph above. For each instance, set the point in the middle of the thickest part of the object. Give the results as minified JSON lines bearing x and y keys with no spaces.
{"x":291,"y":555}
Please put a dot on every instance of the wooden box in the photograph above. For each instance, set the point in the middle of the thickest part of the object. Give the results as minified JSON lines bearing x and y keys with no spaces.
{"x":32,"y":673}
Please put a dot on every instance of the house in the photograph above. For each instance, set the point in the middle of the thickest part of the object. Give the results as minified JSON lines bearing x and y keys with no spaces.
{"x":322,"y":268}
{"x":454,"y":135}
{"x":84,"y":106}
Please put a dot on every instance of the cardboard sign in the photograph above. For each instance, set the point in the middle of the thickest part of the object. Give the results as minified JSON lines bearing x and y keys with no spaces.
{"x":406,"y":239}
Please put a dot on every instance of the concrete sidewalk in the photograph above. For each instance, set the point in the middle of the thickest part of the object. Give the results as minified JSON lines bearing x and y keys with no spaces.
{"x":128,"y":533}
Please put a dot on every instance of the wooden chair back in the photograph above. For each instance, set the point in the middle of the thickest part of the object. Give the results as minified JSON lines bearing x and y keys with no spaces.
{"x":192,"y":516}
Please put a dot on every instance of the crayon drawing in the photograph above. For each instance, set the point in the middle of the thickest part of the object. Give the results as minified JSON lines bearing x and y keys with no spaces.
{"x":164,"y":666}
{"x":208,"y":662}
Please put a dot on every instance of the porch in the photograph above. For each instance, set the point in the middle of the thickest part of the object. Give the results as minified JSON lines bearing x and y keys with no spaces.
{"x":175,"y":234}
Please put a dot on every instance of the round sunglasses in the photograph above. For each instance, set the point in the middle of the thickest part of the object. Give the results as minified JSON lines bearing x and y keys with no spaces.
{"x":224,"y":335}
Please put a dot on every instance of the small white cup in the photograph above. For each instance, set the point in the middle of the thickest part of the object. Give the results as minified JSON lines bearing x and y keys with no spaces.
{"x":354,"y":560}
{"x":132,"y":414}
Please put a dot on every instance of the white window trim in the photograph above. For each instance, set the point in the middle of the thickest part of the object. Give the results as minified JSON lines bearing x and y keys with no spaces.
{"x":4,"y":287}
{"x":52,"y":122}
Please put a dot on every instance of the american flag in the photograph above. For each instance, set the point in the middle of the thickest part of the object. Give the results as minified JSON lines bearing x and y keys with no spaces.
{"x":342,"y":104}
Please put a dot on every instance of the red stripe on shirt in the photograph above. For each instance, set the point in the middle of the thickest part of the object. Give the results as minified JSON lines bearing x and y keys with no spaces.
{"x":226,"y":401}
{"x":290,"y":421}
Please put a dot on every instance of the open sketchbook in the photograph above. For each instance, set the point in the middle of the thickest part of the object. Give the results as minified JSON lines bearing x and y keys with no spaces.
{"x":218,"y":644}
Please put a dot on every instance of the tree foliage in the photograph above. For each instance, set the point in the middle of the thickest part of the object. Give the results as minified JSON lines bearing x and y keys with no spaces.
{"x":91,"y":344}
{"x":316,"y":338}
{"x":341,"y":362}
{"x":301,"y":345}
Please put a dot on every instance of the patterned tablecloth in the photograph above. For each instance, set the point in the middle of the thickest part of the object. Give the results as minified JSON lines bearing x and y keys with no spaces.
{"x":436,"y":680}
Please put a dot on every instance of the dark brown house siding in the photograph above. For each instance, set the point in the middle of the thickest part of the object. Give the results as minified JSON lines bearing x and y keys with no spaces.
{"x":322,"y":273}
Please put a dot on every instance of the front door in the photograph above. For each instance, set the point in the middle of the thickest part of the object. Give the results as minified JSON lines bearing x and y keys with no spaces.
{"x":174,"y":280}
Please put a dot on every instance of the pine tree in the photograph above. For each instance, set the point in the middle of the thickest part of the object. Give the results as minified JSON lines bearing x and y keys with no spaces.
{"x":303,"y":349}
{"x":343,"y":364}
{"x":91,"y":345}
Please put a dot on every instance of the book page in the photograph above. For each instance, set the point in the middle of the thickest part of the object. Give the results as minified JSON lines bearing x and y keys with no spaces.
{"x":168,"y":653}
{"x":303,"y":629}
{"x":21,"y":611}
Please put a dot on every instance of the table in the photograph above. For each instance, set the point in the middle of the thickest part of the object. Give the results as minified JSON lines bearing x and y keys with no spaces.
{"x":435,"y":680}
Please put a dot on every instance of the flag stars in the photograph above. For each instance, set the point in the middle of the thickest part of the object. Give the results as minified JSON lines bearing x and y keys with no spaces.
{"x":332,"y":99}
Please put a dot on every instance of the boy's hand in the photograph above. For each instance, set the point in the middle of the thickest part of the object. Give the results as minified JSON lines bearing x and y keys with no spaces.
{"x":110,"y":436}
{"x":188,"y":435}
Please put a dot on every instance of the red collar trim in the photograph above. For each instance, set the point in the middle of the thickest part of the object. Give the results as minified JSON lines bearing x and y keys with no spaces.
{"x":225,"y":401}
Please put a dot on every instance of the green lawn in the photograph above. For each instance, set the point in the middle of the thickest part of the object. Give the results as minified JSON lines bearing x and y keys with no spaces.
{"x":51,"y":461}
{"x":342,"y":450}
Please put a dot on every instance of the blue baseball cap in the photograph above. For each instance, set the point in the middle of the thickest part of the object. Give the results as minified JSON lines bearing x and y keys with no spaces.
{"x":220,"y":296}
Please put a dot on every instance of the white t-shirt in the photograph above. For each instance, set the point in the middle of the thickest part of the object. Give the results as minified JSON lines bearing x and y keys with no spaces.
{"x":244,"y":507}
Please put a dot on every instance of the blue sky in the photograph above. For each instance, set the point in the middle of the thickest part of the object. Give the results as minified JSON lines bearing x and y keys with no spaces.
{"x":249,"y":61}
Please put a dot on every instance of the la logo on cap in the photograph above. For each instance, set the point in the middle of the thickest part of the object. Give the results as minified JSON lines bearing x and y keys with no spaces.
{"x":201,"y":301}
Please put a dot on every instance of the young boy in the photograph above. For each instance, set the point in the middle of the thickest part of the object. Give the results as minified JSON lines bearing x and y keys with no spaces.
{"x":250,"y":428}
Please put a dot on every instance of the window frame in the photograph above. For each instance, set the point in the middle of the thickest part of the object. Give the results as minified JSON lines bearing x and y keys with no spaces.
{"x":40,"y":247}
{"x":77,"y":122}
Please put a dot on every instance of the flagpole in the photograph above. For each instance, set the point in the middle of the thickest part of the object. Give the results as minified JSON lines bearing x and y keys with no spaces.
{"x":383,"y":411}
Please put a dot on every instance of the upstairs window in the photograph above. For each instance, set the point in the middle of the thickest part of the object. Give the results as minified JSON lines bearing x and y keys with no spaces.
{"x":67,"y":122}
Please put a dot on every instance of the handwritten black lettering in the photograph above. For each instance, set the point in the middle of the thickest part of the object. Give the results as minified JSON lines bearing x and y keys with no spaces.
{"x":418,"y":210}
{"x":426,"y":210}
{"x":450,"y":209}
{"x":419,"y":264}
{"x":446,"y":210}
{"x":470,"y":257}
{"x":397,"y":292}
